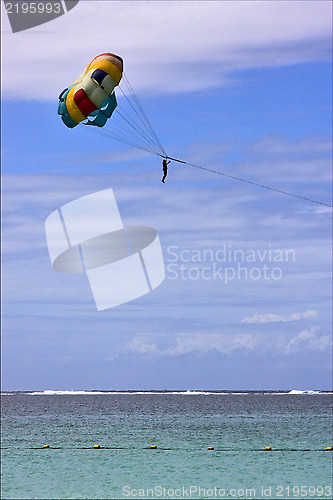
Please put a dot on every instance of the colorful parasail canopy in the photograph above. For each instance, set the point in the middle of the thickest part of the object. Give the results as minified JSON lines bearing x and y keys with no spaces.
{"x":91,"y":97}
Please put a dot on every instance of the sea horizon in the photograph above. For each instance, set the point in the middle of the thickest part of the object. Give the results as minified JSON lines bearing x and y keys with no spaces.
{"x":50,"y":392}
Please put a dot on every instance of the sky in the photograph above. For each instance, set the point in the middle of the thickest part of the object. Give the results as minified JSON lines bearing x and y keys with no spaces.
{"x":240,"y":88}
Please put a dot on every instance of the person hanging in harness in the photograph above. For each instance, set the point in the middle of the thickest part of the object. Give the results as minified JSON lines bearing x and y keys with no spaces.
{"x":165,"y":164}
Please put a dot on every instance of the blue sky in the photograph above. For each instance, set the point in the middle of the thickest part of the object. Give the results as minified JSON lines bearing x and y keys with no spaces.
{"x":243,"y":88}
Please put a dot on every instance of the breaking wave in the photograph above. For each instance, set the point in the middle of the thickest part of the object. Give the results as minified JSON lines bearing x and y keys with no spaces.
{"x":51,"y":392}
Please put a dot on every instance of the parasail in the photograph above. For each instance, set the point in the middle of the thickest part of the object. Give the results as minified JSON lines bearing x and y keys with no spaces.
{"x":91,"y":97}
{"x":91,"y":100}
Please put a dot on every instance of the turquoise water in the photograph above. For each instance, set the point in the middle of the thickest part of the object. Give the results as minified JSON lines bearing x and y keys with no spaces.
{"x":298,"y":427}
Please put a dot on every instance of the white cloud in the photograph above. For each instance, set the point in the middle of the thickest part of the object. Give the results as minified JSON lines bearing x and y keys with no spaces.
{"x":276,"y":318}
{"x":308,"y":339}
{"x":190,"y":343}
{"x":207,"y":342}
{"x":167,"y":46}
{"x":300,"y":337}
{"x":141,"y":344}
{"x":309,"y":146}
{"x":223,"y":343}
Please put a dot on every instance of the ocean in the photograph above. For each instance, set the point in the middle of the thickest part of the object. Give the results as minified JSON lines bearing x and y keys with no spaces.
{"x":297,"y":426}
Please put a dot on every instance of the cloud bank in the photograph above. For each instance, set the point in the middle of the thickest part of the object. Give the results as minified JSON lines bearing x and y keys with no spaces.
{"x":168,"y":47}
{"x":225,"y":343}
{"x":276,"y":318}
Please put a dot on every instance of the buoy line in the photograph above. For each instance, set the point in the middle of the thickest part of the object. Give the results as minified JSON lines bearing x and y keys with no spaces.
{"x":155,"y":447}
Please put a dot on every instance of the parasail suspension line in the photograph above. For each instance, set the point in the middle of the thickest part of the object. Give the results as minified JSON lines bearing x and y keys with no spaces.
{"x":142,"y":115}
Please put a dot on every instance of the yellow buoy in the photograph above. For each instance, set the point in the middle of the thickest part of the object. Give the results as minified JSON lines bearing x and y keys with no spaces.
{"x":268,"y":448}
{"x":329,"y":448}
{"x":96,"y":446}
{"x":153,"y":447}
{"x":210,"y":448}
{"x":46,"y":446}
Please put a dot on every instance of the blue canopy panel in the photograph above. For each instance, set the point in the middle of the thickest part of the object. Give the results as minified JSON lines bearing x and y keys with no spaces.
{"x":62,"y":109}
{"x":100,"y":116}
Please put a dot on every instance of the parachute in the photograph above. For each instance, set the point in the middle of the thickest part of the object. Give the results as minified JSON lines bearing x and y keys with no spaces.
{"x":91,"y":98}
